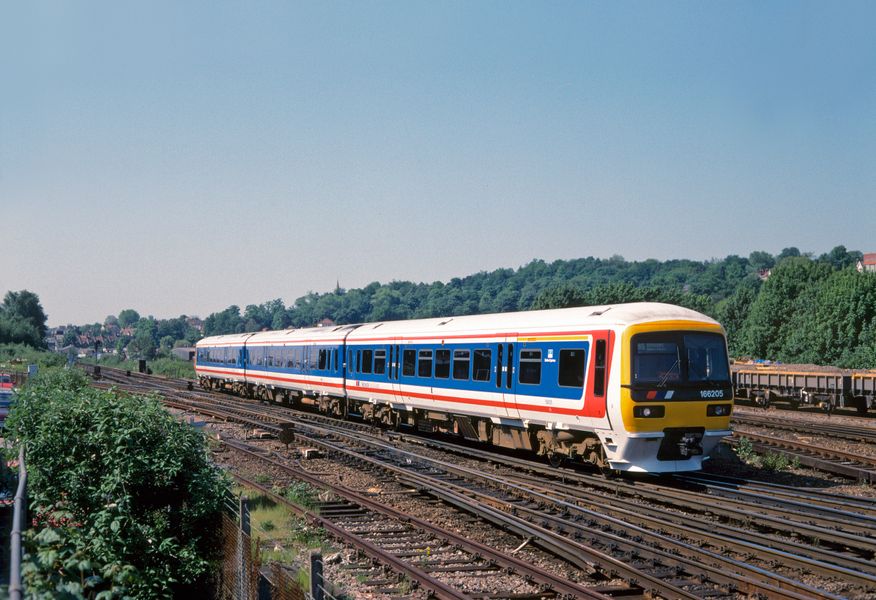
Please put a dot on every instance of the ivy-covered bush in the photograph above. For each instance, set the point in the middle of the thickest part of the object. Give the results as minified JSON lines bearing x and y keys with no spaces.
{"x":124,"y":501}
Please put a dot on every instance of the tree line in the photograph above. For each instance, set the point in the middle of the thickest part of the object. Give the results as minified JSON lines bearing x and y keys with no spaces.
{"x":792,"y":307}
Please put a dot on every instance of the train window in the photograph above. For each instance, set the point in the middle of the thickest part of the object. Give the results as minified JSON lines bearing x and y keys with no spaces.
{"x":379,"y":362}
{"x":367,"y":359}
{"x":483,"y":362}
{"x":599,"y":372}
{"x":499,"y":367}
{"x":461,"y":364}
{"x":510,"y":378}
{"x":409,"y":363}
{"x":656,"y":361}
{"x":442,"y":364}
{"x":337,"y":366}
{"x":572,"y":368}
{"x":322,"y":358}
{"x":424,"y":366}
{"x":530,"y":367}
{"x":349,"y":360}
{"x":397,"y":360}
{"x":706,"y":357}
{"x":391,"y":361}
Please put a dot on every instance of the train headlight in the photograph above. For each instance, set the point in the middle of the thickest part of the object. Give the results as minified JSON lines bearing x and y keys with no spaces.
{"x":718,"y":410}
{"x":649,"y":412}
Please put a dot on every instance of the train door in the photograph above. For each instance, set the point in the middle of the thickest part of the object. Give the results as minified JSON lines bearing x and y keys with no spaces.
{"x":504,"y":376}
{"x":406,"y":375}
{"x":598,"y":370}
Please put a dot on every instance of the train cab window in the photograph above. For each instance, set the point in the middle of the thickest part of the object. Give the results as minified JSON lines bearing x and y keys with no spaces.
{"x":366,"y":360}
{"x":322,"y":359}
{"x":424,"y":365}
{"x":379,"y":362}
{"x":410,"y":359}
{"x":599,"y":371}
{"x":461,"y":364}
{"x":483,"y":362}
{"x":530,"y":367}
{"x":572,"y":368}
{"x":442,"y":364}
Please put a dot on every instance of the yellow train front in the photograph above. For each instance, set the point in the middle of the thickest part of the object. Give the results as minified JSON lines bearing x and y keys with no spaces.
{"x":672,"y":396}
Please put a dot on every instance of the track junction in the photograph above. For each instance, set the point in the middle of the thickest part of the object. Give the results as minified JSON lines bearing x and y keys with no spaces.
{"x":692,"y":536}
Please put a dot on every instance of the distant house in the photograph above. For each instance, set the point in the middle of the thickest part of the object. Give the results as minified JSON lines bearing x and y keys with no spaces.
{"x":764,"y":274}
{"x":868,"y":263}
{"x":326,"y":323}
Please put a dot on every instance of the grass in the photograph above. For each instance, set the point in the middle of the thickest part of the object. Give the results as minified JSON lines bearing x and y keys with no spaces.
{"x":770,"y":461}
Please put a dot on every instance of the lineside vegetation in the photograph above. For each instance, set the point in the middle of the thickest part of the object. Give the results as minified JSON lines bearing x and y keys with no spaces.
{"x":124,"y":500}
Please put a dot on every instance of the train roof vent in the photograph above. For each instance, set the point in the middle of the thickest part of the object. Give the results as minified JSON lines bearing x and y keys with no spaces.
{"x":598,"y":313}
{"x":376,"y":326}
{"x":446,"y":322}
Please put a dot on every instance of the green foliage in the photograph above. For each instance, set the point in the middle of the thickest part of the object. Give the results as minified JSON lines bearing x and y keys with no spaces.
{"x":302,"y":494}
{"x":125,"y":499}
{"x":128,"y":317}
{"x":16,"y":357}
{"x":22,"y":320}
{"x":166,"y":367}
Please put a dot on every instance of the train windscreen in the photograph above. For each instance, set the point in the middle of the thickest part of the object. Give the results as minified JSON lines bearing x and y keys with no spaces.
{"x":679,"y":358}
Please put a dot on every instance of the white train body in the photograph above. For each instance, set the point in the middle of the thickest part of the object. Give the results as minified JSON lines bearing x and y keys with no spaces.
{"x":641,"y":387}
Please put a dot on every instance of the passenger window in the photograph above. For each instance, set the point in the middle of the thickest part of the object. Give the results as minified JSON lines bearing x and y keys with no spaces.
{"x":442,"y":364}
{"x":424,"y":367}
{"x":322,"y":359}
{"x":499,"y":367}
{"x":461,"y":364}
{"x":379,"y":362}
{"x":483,"y":362}
{"x":337,"y":366}
{"x":409,"y":363}
{"x":572,"y":368}
{"x":509,"y":378}
{"x":366,"y":358}
{"x":530,"y":367}
{"x":350,"y":360}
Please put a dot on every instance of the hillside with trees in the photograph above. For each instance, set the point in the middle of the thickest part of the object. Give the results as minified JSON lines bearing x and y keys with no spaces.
{"x":792,"y":307}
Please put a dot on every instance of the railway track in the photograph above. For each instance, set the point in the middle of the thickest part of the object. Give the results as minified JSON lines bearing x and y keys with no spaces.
{"x":829,"y":460}
{"x":400,"y":540}
{"x":562,"y":509}
{"x":840,"y":431}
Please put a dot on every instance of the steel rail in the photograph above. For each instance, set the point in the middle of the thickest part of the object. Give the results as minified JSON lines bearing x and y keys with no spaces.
{"x":846,"y":432}
{"x":823,"y":459}
{"x":559,"y":584}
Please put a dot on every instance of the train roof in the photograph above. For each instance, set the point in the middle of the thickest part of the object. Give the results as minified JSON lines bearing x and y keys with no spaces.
{"x":584,"y":317}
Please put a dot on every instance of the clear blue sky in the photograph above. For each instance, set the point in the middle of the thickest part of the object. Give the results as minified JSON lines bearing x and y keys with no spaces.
{"x":178,"y":157}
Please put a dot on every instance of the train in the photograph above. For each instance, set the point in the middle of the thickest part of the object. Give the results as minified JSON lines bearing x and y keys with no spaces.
{"x":805,"y":385}
{"x":638,"y":387}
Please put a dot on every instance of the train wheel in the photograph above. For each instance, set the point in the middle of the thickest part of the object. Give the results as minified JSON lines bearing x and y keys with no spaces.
{"x":556,"y":459}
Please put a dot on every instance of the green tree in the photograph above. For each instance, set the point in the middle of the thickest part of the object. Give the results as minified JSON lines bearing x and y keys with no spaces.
{"x":22,"y":319}
{"x":128,"y":317}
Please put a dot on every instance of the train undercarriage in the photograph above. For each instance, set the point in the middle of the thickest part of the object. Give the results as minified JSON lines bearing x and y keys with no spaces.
{"x":556,"y":446}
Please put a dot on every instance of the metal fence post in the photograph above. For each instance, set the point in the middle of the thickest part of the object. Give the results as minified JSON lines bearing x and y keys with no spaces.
{"x":243,"y":550}
{"x":18,"y":519}
{"x":316,"y":583}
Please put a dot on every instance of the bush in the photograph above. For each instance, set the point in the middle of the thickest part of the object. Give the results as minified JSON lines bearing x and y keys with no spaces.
{"x":124,"y":498}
